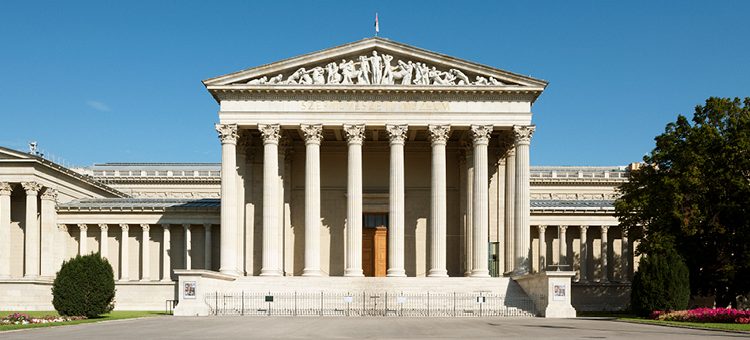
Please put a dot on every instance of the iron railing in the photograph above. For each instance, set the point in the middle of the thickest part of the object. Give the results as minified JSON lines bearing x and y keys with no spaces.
{"x":368,"y":304}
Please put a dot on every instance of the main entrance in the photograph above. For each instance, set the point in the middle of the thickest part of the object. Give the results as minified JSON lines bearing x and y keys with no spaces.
{"x":375,"y":244}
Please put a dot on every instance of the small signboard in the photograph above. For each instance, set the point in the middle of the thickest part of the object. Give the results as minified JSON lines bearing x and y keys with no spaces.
{"x":188,"y":291}
{"x":348,"y":299}
{"x":401,"y":299}
{"x":558,"y":293}
{"x":269,"y":298}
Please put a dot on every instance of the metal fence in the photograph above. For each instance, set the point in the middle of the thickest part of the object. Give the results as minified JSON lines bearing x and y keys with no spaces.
{"x":369,"y":304}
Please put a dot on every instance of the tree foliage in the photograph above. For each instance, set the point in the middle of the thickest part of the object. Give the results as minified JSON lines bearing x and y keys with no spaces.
{"x":693,"y":193}
{"x":85,"y":286}
{"x":661,"y":283}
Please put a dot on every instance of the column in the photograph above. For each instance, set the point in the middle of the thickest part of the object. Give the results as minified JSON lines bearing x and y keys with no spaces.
{"x":5,"y":191}
{"x":145,"y":253}
{"x":605,"y":253}
{"x":32,"y":229}
{"x":48,"y":231}
{"x":62,"y":246}
{"x":243,"y":146}
{"x":625,"y":256}
{"x":271,"y":210}
{"x":103,"y":244}
{"x":522,"y":243}
{"x":480,"y":206}
{"x":228,"y":137}
{"x":563,"y":247}
{"x":166,"y":248}
{"x":396,"y":213}
{"x":313,"y":136}
{"x":83,"y":248}
{"x":584,"y":262}
{"x":438,"y":203}
{"x":542,"y":248}
{"x":510,"y":197}
{"x":355,"y":134}
{"x":188,"y":247}
{"x":207,"y":262}
{"x":124,"y":253}
{"x":469,"y":225}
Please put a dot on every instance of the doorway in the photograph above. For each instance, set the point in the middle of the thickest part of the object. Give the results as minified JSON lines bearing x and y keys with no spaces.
{"x":375,"y":244}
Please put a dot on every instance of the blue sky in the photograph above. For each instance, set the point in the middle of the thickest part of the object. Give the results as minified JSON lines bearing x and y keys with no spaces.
{"x":105,"y":81}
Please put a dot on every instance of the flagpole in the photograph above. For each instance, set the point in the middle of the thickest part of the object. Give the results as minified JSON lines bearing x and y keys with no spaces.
{"x":377,"y":27}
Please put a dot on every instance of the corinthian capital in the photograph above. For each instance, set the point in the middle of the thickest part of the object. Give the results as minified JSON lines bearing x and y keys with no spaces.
{"x":397,"y":133}
{"x":49,"y":194}
{"x":32,"y":188}
{"x":439,"y":133}
{"x":355,"y":133}
{"x":5,"y":188}
{"x":270,"y":133}
{"x":227,"y":133}
{"x":313,"y":133}
{"x":480,"y":134}
{"x":523,"y":133}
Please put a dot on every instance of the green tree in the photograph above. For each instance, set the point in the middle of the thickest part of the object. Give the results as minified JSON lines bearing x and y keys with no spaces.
{"x":693,"y":192}
{"x":661,"y":283}
{"x":85,"y":286}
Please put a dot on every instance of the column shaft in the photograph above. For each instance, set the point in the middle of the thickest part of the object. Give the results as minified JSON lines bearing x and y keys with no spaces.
{"x":563,"y":247}
{"x":207,"y":262}
{"x":625,"y":256}
{"x":31,"y":229}
{"x":522,"y":243}
{"x":103,"y":238}
{"x":605,"y":254}
{"x":510,"y":222}
{"x":5,"y":192}
{"x":397,"y":134}
{"x":355,"y":136}
{"x":146,"y":250}
{"x":469,"y":225}
{"x":480,"y":237}
{"x":166,"y":246}
{"x":188,"y":247}
{"x":228,"y":137}
{"x":313,"y":136}
{"x":542,"y":248}
{"x":124,"y":253}
{"x":438,"y":203}
{"x":584,"y":262}
{"x":271,"y":209}
{"x":48,"y":233}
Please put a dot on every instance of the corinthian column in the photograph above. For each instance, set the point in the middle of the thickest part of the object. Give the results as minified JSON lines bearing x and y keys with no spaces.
{"x":396,"y":134}
{"x":510,"y":196}
{"x":438,"y":203}
{"x":124,"y":253}
{"x":563,"y":246}
{"x":228,"y":137}
{"x":480,"y":137}
{"x":313,"y":136}
{"x":584,"y":266}
{"x":166,"y":246}
{"x":188,"y":247}
{"x":355,"y":134}
{"x":605,"y":253}
{"x":469,"y":223}
{"x":542,"y":248}
{"x":103,"y":244}
{"x":5,"y":191}
{"x":83,"y":248}
{"x":271,"y":210}
{"x":522,"y":243}
{"x":48,"y":232}
{"x":32,"y":229}
{"x":146,"y":253}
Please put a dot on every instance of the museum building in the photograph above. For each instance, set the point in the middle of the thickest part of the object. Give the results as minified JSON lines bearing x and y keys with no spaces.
{"x":371,"y":166}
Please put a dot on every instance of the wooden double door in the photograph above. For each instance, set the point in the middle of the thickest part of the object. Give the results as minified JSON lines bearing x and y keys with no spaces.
{"x":375,"y":244}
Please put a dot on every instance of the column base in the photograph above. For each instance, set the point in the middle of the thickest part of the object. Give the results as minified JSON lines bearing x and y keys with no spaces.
{"x":124,"y":279}
{"x":31,"y":277}
{"x":480,"y":273}
{"x":438,"y":273}
{"x":396,"y":273}
{"x":312,"y":272}
{"x":354,"y":272}
{"x":267,"y":272}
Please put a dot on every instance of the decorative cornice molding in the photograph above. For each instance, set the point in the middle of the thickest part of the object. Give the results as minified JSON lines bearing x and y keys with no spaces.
{"x":271,"y":133}
{"x":5,"y":188}
{"x":355,"y":133}
{"x":227,"y":133}
{"x":439,"y":133}
{"x":313,"y":133}
{"x":32,"y":188}
{"x":523,"y":133}
{"x":396,"y":133}
{"x":480,"y":134}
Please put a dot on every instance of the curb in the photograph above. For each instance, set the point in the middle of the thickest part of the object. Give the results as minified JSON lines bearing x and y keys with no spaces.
{"x":683,"y":326}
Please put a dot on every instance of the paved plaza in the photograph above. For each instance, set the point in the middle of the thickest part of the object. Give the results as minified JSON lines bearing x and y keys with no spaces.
{"x":355,"y":328}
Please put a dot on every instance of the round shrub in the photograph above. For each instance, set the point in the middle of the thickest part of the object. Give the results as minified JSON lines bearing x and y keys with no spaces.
{"x":661,"y":284}
{"x":85,"y":286}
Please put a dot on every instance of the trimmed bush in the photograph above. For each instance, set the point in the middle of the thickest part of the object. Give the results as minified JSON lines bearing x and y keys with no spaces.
{"x":85,"y":286}
{"x":661,"y":284}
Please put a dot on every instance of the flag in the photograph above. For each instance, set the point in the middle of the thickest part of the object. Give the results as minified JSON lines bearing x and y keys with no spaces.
{"x":377,"y":28}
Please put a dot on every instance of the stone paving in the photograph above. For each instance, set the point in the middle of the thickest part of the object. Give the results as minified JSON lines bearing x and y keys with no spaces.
{"x":358,"y":328}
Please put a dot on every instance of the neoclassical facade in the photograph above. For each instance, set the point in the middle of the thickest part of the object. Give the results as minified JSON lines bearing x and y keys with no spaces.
{"x":369,"y":159}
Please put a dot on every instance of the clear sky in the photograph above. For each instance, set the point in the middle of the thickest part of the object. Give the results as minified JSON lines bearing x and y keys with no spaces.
{"x":120,"y":81}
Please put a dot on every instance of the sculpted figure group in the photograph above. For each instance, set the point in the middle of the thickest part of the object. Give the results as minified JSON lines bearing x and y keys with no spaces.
{"x":375,"y":70}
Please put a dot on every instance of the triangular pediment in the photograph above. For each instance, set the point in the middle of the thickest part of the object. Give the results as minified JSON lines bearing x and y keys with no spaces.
{"x":6,"y":153}
{"x":375,"y":62}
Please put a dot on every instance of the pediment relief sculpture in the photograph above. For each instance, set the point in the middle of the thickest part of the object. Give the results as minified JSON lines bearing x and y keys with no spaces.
{"x":377,"y":69}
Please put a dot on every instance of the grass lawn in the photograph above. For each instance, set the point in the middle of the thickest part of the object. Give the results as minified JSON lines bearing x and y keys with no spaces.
{"x":720,"y":326}
{"x":115,"y":315}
